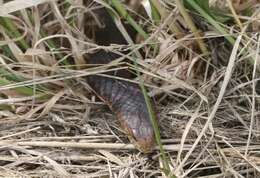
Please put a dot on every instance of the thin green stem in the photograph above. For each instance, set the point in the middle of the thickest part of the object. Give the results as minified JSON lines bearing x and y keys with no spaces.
{"x":192,"y":26}
{"x":212,"y":21}
{"x":155,"y":14}
{"x":7,"y":78}
{"x":152,"y":115}
{"x":164,"y":14}
{"x":23,"y":90}
{"x":12,"y":31}
{"x":123,"y":13}
{"x":219,"y":28}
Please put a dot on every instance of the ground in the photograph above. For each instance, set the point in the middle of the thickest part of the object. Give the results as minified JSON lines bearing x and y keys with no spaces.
{"x":204,"y":86}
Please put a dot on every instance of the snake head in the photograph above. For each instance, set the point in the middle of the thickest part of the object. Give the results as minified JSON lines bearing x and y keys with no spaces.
{"x":126,"y":100}
{"x":143,"y":138}
{"x":136,"y":122}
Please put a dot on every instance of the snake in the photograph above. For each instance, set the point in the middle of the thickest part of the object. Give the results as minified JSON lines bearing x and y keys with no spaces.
{"x":125,"y":99}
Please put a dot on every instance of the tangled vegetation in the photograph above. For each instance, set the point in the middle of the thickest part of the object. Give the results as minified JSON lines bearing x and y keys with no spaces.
{"x":199,"y":61}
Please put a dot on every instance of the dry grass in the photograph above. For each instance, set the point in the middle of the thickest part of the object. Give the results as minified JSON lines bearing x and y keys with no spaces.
{"x":52,"y":126}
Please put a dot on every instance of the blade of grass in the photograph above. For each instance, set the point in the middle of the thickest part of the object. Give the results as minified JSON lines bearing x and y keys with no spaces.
{"x":220,"y":29}
{"x":164,"y":14}
{"x":12,"y":31}
{"x":52,"y":45}
{"x":123,"y":13}
{"x":233,"y":11}
{"x":155,"y":13}
{"x":192,"y":26}
{"x":7,"y":77}
{"x":22,"y":90}
{"x":212,"y":21}
{"x":7,"y":52}
{"x":166,"y":167}
{"x":5,"y":107}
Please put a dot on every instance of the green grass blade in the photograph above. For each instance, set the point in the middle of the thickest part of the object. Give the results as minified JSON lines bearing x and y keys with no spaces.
{"x":122,"y":11}
{"x":22,"y":90}
{"x":212,"y":21}
{"x":12,"y":31}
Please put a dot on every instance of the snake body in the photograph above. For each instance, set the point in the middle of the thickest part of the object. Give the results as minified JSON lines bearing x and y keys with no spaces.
{"x":125,"y":99}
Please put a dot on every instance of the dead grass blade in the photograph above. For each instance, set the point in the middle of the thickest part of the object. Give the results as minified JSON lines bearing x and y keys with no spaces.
{"x":17,"y":5}
{"x":110,"y":146}
{"x":219,"y":99}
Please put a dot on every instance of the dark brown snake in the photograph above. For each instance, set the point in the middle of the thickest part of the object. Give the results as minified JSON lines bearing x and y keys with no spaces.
{"x":125,"y":99}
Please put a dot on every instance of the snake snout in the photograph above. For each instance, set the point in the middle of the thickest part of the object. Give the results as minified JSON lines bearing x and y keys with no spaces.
{"x":140,"y":129}
{"x":144,"y":138}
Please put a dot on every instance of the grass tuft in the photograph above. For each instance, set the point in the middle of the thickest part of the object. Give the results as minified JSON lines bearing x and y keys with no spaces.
{"x":50,"y":125}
